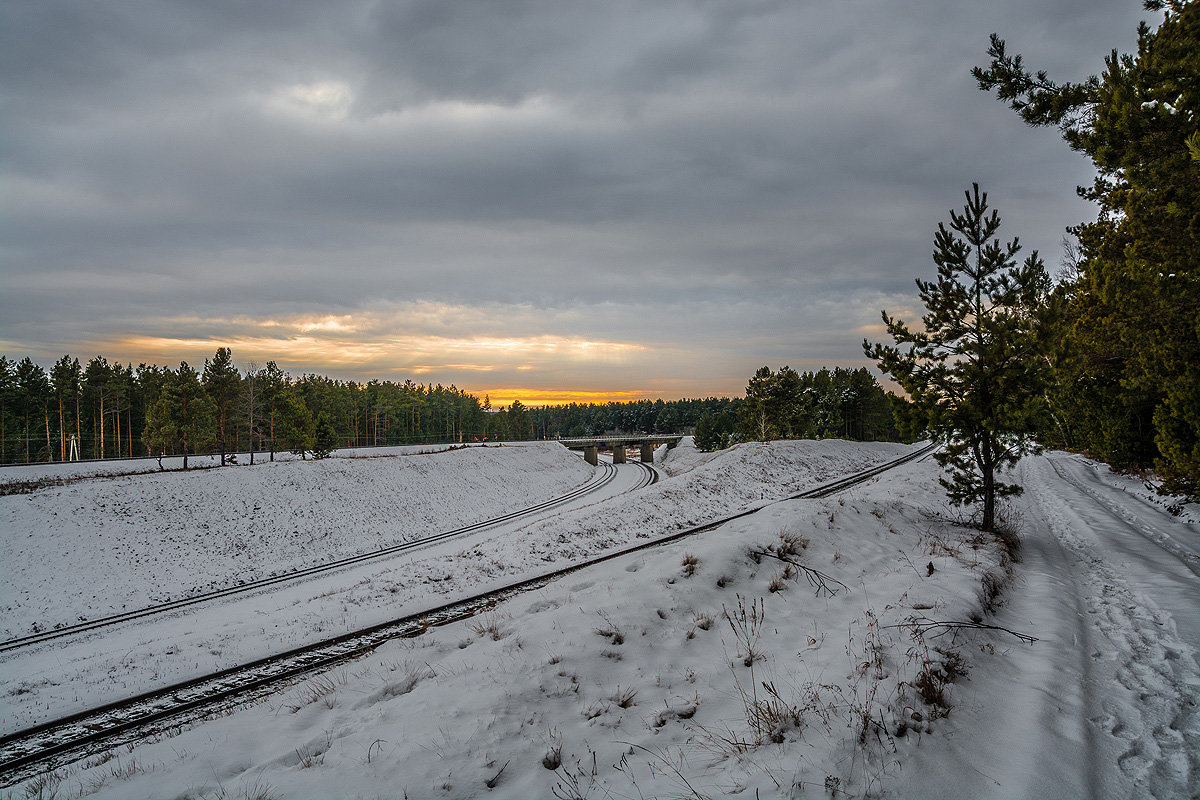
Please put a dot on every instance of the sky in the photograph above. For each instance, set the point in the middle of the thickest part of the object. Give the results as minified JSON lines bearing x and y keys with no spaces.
{"x":543,"y":201}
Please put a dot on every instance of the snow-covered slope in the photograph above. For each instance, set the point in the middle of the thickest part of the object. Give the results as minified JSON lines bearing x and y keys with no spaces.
{"x":707,"y":664}
{"x":712,"y":667}
{"x":705,"y":487}
{"x":103,"y":544}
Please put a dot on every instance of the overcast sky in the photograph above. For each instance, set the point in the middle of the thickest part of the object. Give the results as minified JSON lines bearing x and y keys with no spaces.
{"x":530,"y":199}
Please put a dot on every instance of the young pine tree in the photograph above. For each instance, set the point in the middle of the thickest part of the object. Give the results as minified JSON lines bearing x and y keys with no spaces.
{"x":182,"y":418}
{"x":973,"y":373}
{"x":325,"y":438}
{"x":223,"y":384}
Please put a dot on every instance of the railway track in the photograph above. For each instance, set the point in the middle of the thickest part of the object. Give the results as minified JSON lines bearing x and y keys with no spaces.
{"x":44,"y":747}
{"x":603,"y":478}
{"x":650,"y":477}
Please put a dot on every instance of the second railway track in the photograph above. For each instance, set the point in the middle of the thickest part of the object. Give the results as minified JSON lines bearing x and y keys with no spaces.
{"x":41,"y":748}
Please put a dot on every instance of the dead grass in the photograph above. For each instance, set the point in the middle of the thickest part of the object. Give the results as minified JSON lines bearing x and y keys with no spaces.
{"x":320,"y":688}
{"x":780,"y":581}
{"x":790,"y":544}
{"x":552,"y":760}
{"x":746,"y":624}
{"x":489,"y":626}
{"x":624,"y":698}
{"x":609,"y":630}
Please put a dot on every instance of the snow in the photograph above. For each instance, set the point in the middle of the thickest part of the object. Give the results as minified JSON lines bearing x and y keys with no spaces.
{"x":1105,"y":704}
{"x":635,"y":673}
{"x":130,"y":540}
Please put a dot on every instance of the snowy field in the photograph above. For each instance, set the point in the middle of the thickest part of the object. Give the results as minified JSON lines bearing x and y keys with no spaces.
{"x":713,"y":667}
{"x":68,"y":675}
{"x":59,"y":470}
{"x":129,"y":540}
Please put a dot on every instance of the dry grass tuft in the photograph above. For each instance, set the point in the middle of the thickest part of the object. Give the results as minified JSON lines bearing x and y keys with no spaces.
{"x":624,"y":698}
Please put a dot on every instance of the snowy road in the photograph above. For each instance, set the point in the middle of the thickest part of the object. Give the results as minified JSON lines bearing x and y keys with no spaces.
{"x":1105,"y":704}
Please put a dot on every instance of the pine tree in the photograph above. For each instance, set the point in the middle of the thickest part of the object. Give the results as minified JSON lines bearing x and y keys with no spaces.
{"x":67,"y":377}
{"x":518,"y":422}
{"x":33,"y":397}
{"x":292,"y":423}
{"x":706,"y":436}
{"x":223,"y":384}
{"x":974,"y":371}
{"x":325,"y":438}
{"x":183,"y":417}
{"x":8,"y":391}
{"x":757,"y":418}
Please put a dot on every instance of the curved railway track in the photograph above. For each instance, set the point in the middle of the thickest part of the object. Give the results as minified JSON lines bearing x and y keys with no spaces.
{"x":41,"y":748}
{"x":603,"y":478}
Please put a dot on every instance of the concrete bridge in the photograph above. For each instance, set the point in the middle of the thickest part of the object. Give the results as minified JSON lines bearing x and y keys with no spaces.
{"x":591,"y":446}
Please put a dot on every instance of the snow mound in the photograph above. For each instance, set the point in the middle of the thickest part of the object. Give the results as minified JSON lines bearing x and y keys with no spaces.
{"x":731,"y":480}
{"x":683,"y":457}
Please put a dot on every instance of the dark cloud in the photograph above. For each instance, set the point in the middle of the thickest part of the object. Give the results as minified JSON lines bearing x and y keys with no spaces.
{"x":721,"y":184}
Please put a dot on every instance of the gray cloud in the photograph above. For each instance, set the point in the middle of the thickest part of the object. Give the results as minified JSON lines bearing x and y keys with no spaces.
{"x":722,"y":184}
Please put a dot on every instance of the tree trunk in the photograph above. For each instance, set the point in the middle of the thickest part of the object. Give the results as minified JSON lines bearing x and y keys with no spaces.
{"x":101,"y":424}
{"x":989,"y":501}
{"x":62,"y":433}
{"x":988,"y":468}
{"x":251,"y":429}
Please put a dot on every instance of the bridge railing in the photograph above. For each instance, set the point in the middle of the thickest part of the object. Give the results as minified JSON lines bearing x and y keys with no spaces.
{"x":657,"y":438}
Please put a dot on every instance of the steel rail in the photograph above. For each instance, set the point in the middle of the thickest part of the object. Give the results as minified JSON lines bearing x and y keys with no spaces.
{"x":51,"y":744}
{"x":607,"y":474}
{"x":649,"y":479}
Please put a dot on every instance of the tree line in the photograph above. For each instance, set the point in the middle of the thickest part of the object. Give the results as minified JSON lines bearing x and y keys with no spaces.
{"x":639,"y":416}
{"x":842,"y":403}
{"x":114,"y":410}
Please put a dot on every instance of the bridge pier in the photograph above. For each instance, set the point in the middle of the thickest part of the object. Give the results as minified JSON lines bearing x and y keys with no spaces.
{"x":591,"y":454}
{"x":647,"y":453}
{"x":619,"y":454}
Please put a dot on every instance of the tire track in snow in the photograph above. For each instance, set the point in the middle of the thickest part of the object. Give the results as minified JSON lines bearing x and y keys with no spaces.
{"x":1189,"y":558}
{"x":1140,"y":707}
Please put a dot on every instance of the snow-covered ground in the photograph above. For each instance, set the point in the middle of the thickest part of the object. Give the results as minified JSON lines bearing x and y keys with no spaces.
{"x":63,"y":676}
{"x":131,"y":540}
{"x":65,"y":470}
{"x":712,"y":667}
